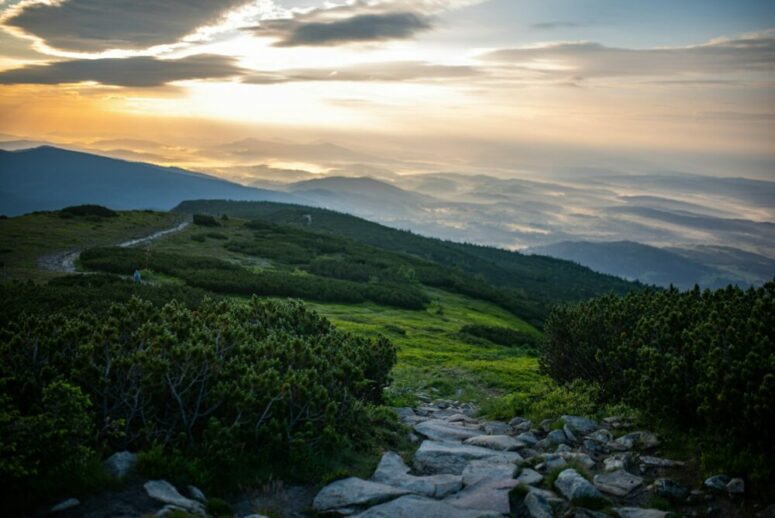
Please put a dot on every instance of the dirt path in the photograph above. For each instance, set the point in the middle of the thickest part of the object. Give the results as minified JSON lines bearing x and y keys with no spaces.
{"x":65,"y":261}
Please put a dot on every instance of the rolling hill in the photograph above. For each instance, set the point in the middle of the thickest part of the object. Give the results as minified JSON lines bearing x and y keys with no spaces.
{"x":48,"y":178}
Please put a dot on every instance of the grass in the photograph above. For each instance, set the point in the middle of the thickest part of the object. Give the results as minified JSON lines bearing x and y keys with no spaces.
{"x":26,"y":239}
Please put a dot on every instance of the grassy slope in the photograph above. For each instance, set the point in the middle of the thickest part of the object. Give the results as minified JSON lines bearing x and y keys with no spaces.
{"x":433,"y":355}
{"x":26,"y":239}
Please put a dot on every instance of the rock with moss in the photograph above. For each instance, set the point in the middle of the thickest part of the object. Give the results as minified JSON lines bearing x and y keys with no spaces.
{"x":578,"y":490}
{"x":353,"y":493}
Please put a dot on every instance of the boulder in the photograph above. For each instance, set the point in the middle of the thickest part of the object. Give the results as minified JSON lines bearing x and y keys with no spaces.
{"x":120,"y":464}
{"x":65,"y":505}
{"x":394,"y":472}
{"x":582,"y":458}
{"x":617,"y":422}
{"x":477,"y":470}
{"x":595,"y":447}
{"x":736,"y":486}
{"x":576,"y":488}
{"x":450,"y":458}
{"x":671,"y":490}
{"x":530,"y":477}
{"x":461,"y":418}
{"x":557,"y":437}
{"x":439,"y":430}
{"x":618,"y":483}
{"x":569,"y":434}
{"x":563,"y":448}
{"x":164,"y":492}
{"x":717,"y":482}
{"x":528,"y":438}
{"x":626,"y":461}
{"x":485,"y":495}
{"x":496,"y":428}
{"x":170,"y":509}
{"x":656,"y":462}
{"x":552,"y":461}
{"x":495,"y":442}
{"x":537,"y":506}
{"x":579,"y":425}
{"x":353,"y":493}
{"x":520,"y":424}
{"x":601,"y":435}
{"x":415,"y":506}
{"x":636,"y":440}
{"x":637,"y":512}
{"x":197,"y":494}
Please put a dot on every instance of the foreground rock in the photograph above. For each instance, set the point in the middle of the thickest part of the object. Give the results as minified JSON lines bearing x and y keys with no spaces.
{"x":350,"y":494}
{"x":440,"y":430}
{"x":120,"y":464}
{"x":449,"y":458}
{"x":495,"y":442}
{"x":164,"y":492}
{"x":417,"y":506}
{"x":394,"y":472}
{"x":485,"y":495}
{"x":618,"y":483}
{"x":577,"y":489}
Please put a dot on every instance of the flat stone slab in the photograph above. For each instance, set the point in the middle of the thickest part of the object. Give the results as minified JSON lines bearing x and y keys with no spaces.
{"x":496,"y":428}
{"x":496,"y":442}
{"x":538,"y":506}
{"x":394,"y":472}
{"x":574,"y":487}
{"x":579,"y":425}
{"x":478,"y":470}
{"x":164,"y":492}
{"x":354,"y":492}
{"x":657,"y":462}
{"x":440,"y":430}
{"x":451,"y":458}
{"x":530,"y":477}
{"x":418,"y":506}
{"x":618,"y":483}
{"x":485,"y":495}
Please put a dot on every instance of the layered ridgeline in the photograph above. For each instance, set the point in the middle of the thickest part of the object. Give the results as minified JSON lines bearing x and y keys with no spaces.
{"x":527,"y":285}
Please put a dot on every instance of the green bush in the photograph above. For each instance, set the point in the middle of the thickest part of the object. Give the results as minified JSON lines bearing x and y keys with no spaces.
{"x":501,"y":335}
{"x":224,"y":385}
{"x":205,"y":220}
{"x":88,"y":210}
{"x":703,"y":361}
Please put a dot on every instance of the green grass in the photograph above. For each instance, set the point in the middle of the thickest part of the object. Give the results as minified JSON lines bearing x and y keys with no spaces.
{"x":26,"y":239}
{"x":434,"y":355}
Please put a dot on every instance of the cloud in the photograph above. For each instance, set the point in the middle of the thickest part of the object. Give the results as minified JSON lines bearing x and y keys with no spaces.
{"x":99,"y":25}
{"x":751,"y":52}
{"x":357,"y":29}
{"x":386,"y":71}
{"x":357,"y":21}
{"x":139,"y":72}
{"x":547,"y":26}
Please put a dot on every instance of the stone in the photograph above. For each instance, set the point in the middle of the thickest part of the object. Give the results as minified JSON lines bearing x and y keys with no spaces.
{"x":601,"y":435}
{"x":557,"y":437}
{"x":637,"y":512}
{"x":197,"y":494}
{"x":736,"y":486}
{"x":120,"y":464}
{"x":595,"y":447}
{"x":485,"y":495}
{"x":563,"y":448}
{"x":415,"y":506}
{"x":439,"y":430}
{"x":530,"y":477}
{"x":354,"y":492}
{"x":576,"y":488}
{"x":394,"y":472}
{"x":520,"y":424}
{"x":170,"y":509}
{"x":450,"y":458}
{"x":402,"y":412}
{"x":477,"y":470}
{"x":648,"y":461}
{"x":636,"y":440}
{"x":582,"y":458}
{"x":65,"y":505}
{"x":496,"y":428}
{"x":537,"y":506}
{"x":554,"y":461}
{"x":569,"y":434}
{"x":717,"y":482}
{"x":461,"y":418}
{"x":547,"y":425}
{"x":495,"y":442}
{"x":671,"y":490}
{"x":618,"y":461}
{"x":164,"y":492}
{"x":528,"y":438}
{"x":617,"y":483}
{"x":617,"y":422}
{"x":580,"y":425}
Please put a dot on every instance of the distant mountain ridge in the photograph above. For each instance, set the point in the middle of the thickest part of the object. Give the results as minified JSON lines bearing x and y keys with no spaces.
{"x":49,"y":178}
{"x":707,"y":266}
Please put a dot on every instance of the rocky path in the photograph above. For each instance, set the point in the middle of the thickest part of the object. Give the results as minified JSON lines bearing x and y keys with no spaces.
{"x":571,"y":466}
{"x":472,"y":468}
{"x":65,"y":261}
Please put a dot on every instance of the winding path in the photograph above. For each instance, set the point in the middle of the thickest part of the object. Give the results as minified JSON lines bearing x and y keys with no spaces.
{"x":65,"y":261}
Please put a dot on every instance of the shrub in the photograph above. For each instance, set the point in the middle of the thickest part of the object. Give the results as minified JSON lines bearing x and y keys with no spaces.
{"x":501,"y":335}
{"x":205,"y":220}
{"x":88,"y":210}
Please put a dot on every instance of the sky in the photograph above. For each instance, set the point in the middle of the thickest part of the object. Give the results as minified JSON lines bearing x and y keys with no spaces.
{"x":504,"y":87}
